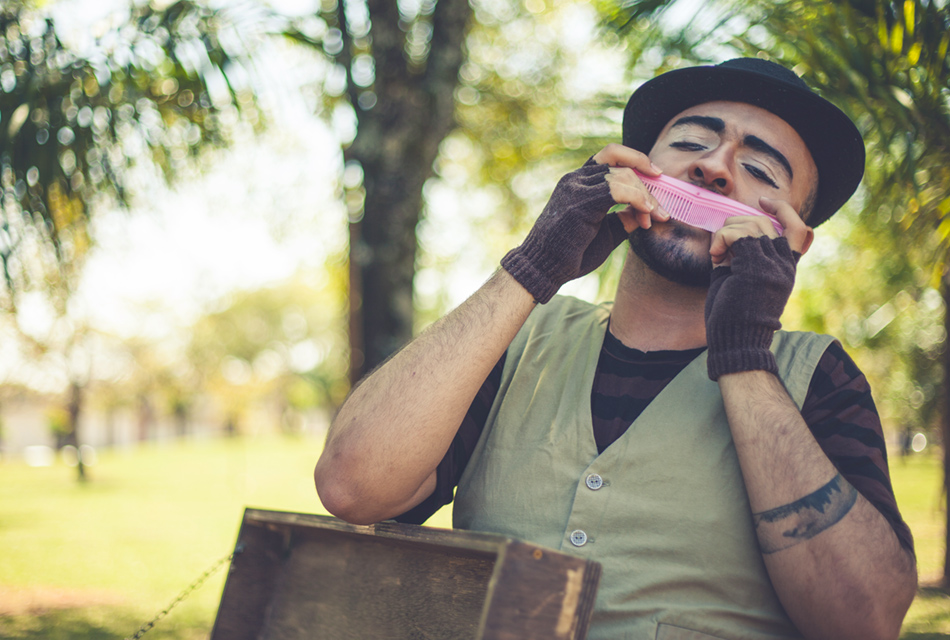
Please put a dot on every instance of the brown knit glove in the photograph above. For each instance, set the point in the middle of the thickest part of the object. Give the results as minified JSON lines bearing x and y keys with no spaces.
{"x":572,"y":236}
{"x":744,"y":304}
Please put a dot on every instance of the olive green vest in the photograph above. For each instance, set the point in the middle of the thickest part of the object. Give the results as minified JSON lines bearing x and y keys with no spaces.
{"x":664,"y":508}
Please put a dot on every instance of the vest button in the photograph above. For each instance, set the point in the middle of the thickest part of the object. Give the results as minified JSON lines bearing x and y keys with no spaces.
{"x":594,"y":482}
{"x":578,"y":538}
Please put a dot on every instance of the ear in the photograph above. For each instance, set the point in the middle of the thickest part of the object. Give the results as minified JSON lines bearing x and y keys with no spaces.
{"x":809,"y":238}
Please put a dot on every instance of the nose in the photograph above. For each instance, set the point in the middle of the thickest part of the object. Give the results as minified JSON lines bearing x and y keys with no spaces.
{"x":713,"y":170}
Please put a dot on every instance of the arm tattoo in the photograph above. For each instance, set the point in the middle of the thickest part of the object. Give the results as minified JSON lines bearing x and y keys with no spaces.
{"x":789,"y":525}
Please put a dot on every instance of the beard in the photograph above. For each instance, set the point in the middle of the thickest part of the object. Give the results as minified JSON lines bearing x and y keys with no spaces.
{"x":669,"y":257}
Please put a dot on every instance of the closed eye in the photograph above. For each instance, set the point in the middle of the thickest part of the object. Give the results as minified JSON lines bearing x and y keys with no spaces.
{"x":688,"y":146}
{"x":760,"y":175}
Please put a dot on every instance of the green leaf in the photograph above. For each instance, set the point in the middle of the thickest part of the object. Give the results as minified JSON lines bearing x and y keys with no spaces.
{"x":897,"y":38}
{"x":909,"y":17}
{"x":943,"y":231}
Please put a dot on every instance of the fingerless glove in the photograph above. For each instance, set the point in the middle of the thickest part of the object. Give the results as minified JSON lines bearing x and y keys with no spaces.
{"x":744,"y":304}
{"x":572,"y":236}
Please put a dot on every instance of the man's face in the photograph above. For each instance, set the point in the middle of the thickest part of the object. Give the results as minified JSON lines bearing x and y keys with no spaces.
{"x":732,"y":148}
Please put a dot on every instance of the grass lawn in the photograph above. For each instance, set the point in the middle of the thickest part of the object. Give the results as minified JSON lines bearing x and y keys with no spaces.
{"x":95,"y":561}
{"x":917,"y":482}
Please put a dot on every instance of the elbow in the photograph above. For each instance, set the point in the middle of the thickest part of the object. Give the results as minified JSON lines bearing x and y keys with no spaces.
{"x":871,"y":610}
{"x":892,"y":612}
{"x":339,"y":493}
{"x":885,"y":621}
{"x":879,"y":625}
{"x":335,"y":492}
{"x":885,"y":628}
{"x":901,"y":600}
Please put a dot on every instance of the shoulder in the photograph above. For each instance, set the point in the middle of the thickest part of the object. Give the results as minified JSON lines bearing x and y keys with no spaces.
{"x":562,"y":329}
{"x":838,"y":384}
{"x":566,"y":309}
{"x":801,"y":341}
{"x":562,"y":314}
{"x":833,"y":365}
{"x":838,"y":367}
{"x":798,"y":354}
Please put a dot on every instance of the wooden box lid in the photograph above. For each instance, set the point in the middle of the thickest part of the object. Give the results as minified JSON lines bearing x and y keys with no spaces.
{"x":299,"y":576}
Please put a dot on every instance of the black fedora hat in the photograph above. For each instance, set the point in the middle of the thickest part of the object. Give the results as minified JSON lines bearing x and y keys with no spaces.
{"x":833,"y":140}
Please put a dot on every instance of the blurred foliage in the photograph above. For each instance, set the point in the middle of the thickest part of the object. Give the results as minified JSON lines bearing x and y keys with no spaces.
{"x":889,"y":319}
{"x":258,"y":359}
{"x":77,"y":130}
{"x":147,"y":380}
{"x":58,"y":420}
{"x":511,"y":103}
{"x":281,"y":345}
{"x":158,"y":87}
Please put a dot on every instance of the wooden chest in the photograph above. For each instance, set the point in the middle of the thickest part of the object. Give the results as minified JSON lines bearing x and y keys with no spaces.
{"x":298,"y":576}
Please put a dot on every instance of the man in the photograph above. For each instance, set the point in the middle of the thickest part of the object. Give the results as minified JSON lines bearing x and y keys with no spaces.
{"x":731,"y":479}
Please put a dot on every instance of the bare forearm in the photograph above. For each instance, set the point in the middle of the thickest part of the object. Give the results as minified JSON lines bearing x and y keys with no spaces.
{"x":388,"y":438}
{"x":833,"y":559}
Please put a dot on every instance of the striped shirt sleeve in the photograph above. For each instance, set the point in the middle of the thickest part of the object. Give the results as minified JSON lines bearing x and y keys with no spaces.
{"x":842,"y":416}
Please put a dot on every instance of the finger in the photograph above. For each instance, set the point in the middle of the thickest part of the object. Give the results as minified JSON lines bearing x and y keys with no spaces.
{"x":735,"y":228}
{"x":631,"y":218}
{"x":626,"y":184}
{"x":752,"y":225}
{"x":628,"y":218}
{"x":722,"y":259}
{"x":798,"y":234}
{"x":626,"y":188}
{"x":643,"y":219}
{"x":617,"y":155}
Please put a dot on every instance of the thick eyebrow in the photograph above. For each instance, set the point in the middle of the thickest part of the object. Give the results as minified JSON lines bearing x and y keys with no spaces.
{"x":716,"y":125}
{"x":758,"y":144}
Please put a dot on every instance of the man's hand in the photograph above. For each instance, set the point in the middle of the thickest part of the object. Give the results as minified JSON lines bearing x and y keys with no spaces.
{"x":798,"y":234}
{"x":749,"y":288}
{"x":626,"y":188}
{"x":575,"y":233}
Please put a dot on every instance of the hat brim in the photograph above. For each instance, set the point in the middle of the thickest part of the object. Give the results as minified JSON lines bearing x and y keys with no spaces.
{"x":831,"y":137}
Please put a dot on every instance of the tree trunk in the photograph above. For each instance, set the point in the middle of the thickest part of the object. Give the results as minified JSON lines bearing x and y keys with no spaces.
{"x":74,"y":409}
{"x":396,"y":144}
{"x":145,"y":417}
{"x":945,"y":423}
{"x":181,"y":420}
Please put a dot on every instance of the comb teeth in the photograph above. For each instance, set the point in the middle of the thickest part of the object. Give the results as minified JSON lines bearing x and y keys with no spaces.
{"x":698,"y":207}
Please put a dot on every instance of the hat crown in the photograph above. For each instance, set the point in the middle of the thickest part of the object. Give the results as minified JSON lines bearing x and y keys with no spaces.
{"x":766,"y":68}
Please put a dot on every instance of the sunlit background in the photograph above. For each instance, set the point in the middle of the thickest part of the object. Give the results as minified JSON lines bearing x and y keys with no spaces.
{"x":186,"y":194}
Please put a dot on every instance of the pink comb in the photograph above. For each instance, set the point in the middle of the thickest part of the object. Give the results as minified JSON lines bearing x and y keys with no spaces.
{"x":696,"y":206}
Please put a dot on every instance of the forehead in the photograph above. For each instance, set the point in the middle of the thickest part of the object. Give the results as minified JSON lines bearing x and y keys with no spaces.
{"x":743,"y":119}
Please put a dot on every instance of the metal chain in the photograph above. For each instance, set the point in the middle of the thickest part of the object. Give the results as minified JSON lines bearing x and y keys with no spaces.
{"x":145,"y":628}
